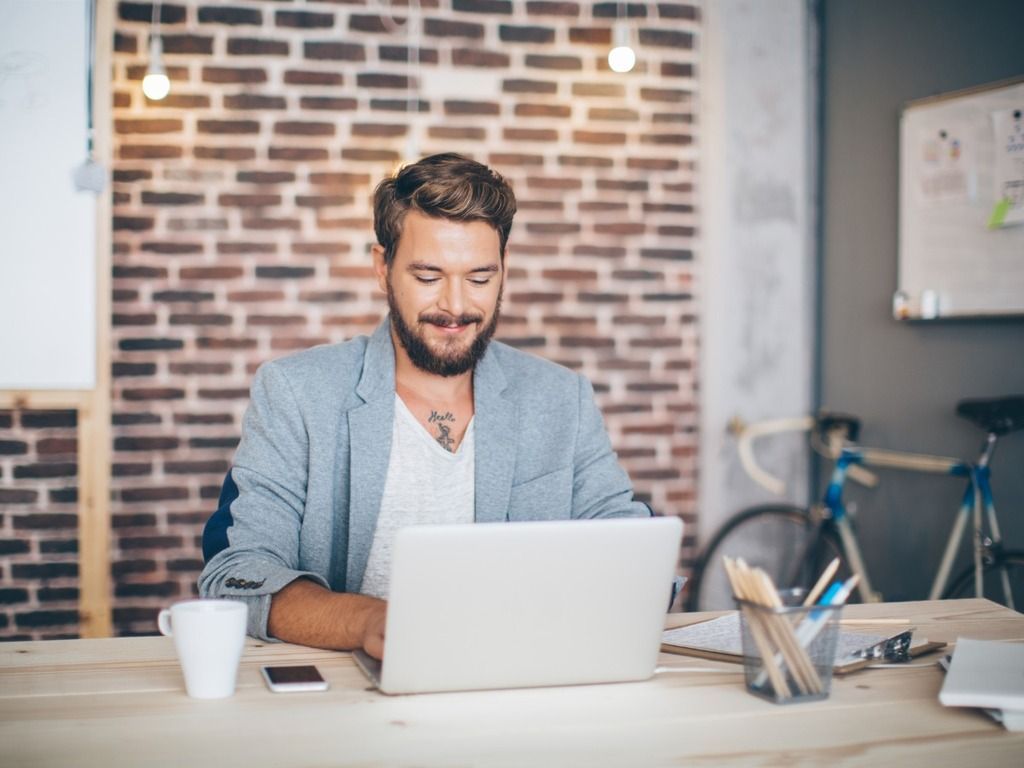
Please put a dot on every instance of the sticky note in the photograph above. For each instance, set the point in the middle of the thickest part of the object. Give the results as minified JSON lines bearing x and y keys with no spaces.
{"x":999,"y":213}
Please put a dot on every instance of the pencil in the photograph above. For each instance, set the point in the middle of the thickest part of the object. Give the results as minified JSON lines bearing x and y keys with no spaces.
{"x":822,"y":582}
{"x":874,"y":621}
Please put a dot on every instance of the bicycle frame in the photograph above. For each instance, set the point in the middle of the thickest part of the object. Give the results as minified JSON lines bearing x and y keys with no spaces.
{"x":977,"y":502}
{"x":977,"y":490}
{"x":837,"y":511}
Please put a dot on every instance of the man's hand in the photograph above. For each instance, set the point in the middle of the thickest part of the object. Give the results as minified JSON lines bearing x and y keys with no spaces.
{"x":373,"y":637}
{"x":306,"y":613}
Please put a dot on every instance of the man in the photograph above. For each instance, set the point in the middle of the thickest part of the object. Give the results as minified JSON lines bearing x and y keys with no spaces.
{"x":426,"y":421}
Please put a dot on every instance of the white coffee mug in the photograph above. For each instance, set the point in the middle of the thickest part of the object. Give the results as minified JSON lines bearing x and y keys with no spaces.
{"x":209,"y":636}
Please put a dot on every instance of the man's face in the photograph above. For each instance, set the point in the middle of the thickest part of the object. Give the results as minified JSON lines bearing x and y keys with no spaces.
{"x":444,"y":291}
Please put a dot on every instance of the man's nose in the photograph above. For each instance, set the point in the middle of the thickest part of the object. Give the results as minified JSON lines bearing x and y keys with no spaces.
{"x":452,"y":300}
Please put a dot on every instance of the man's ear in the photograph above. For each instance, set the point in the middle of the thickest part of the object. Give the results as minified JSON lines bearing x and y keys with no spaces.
{"x":380,"y":267}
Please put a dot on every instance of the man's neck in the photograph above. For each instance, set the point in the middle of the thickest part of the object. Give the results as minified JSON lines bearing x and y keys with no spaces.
{"x":429,"y":387}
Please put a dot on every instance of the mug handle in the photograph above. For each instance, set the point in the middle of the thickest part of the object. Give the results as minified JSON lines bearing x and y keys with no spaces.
{"x":163,"y":622}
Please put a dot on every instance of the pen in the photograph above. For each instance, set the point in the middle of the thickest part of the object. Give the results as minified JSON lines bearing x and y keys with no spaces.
{"x":835,"y":596}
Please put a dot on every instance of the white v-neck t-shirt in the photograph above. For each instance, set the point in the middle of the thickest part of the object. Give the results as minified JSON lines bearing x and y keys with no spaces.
{"x":425,"y":484}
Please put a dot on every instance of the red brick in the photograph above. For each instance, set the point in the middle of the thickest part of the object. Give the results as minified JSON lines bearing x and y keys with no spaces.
{"x":447,"y":28}
{"x":304,"y":19}
{"x":483,"y":6}
{"x":613,"y":10}
{"x":475,"y":57}
{"x":234,"y":75}
{"x":187,"y":44}
{"x":254,"y":101}
{"x":530,"y":134}
{"x":523,"y":34}
{"x":334,"y":51}
{"x":248,"y":46}
{"x":228,"y":126}
{"x":529,"y":86}
{"x":298,"y":154}
{"x":591,"y":35}
{"x":402,"y":53}
{"x":233,"y":154}
{"x":457,"y":133}
{"x":548,"y":8}
{"x":303,"y":77}
{"x":150,"y":126}
{"x":559,"y":62}
{"x":332,"y":103}
{"x":230,"y":16}
{"x":148,"y":152}
{"x":382,"y":130}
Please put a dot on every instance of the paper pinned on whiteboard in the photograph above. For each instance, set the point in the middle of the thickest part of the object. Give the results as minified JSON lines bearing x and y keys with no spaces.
{"x":946,"y":166}
{"x":1008,"y":173}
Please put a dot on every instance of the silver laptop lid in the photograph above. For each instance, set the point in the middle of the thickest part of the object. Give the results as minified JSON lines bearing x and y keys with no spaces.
{"x":527,"y":604}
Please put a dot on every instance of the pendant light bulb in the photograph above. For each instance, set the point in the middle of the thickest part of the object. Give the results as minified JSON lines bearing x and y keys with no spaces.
{"x":156,"y":85}
{"x":621,"y":58}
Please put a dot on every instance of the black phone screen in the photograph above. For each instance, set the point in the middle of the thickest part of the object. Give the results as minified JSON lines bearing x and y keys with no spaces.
{"x":297,"y":674}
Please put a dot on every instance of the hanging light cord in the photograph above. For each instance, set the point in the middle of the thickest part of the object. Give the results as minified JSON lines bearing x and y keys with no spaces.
{"x":154,"y":23}
{"x":412,"y":30}
{"x":90,"y":52}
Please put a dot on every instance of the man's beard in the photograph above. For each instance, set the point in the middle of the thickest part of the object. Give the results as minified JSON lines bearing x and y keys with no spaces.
{"x":455,"y":362}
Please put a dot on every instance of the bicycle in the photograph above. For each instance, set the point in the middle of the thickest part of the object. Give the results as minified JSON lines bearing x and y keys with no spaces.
{"x":794,"y":544}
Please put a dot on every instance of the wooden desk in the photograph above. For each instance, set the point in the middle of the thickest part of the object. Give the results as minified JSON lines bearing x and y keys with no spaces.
{"x":121,"y":702}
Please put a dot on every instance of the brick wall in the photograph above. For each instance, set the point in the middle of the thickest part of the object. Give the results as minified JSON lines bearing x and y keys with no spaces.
{"x":242,"y":227}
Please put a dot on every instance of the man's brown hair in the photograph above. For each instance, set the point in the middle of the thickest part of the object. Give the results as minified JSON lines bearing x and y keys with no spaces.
{"x":446,"y":186}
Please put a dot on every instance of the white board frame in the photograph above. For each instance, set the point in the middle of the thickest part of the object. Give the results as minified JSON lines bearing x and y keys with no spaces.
{"x":951,"y":263}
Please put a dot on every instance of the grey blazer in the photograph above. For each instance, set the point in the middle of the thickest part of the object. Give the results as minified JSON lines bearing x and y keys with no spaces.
{"x":303,"y":495}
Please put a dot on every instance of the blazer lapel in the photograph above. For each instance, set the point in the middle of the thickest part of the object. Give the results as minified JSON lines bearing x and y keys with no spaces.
{"x":495,"y":441}
{"x":369,"y":449}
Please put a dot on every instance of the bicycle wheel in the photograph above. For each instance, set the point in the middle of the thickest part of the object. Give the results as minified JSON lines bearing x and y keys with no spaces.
{"x":963,"y":584}
{"x":780,"y":538}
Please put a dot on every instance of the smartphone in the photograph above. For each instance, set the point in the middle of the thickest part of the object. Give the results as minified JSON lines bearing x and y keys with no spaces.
{"x":296,"y":678}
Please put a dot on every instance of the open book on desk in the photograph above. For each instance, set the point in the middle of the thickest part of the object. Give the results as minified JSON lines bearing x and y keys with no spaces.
{"x":719,"y":640}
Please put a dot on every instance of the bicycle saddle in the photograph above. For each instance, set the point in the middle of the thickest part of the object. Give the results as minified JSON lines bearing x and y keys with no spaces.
{"x":1000,"y":415}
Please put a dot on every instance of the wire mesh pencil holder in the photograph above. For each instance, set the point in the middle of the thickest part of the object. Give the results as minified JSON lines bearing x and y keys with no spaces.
{"x":789,"y":651}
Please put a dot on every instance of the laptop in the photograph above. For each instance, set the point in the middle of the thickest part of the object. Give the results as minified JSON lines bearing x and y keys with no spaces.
{"x":485,"y":606}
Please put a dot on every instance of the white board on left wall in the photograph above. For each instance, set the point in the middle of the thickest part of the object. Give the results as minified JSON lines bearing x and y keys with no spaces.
{"x":47,"y":228}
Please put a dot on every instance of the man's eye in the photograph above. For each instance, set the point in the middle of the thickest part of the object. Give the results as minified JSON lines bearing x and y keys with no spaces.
{"x":480,"y":280}
{"x":427,"y":280}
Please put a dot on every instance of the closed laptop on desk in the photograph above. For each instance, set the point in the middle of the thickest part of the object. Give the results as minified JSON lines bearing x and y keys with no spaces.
{"x":526,"y":604}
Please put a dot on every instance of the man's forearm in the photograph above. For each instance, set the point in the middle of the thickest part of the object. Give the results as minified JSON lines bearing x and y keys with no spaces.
{"x":306,"y":613}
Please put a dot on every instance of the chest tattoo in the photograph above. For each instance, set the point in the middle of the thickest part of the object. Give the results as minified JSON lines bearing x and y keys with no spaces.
{"x":443,"y":422}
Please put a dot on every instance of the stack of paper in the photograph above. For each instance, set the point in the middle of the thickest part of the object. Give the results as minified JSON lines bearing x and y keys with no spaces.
{"x":987,"y":674}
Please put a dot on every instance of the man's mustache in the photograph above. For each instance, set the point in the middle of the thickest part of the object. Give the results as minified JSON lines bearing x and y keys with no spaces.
{"x":450,"y":321}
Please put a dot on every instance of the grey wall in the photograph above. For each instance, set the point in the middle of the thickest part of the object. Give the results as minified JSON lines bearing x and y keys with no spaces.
{"x":904,"y":380}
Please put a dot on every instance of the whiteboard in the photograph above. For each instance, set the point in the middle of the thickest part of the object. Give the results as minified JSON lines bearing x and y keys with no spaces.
{"x":48,"y":243}
{"x":961,"y":252}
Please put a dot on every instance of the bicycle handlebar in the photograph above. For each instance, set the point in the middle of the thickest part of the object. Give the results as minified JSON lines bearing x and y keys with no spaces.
{"x":748,"y":433}
{"x":831,"y":447}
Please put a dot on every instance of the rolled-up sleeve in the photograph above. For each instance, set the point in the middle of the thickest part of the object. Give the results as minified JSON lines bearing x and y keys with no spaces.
{"x":259,"y":547}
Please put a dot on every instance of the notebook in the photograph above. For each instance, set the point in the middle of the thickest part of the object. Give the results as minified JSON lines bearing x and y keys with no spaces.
{"x":483,"y":606}
{"x":985,"y":673}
